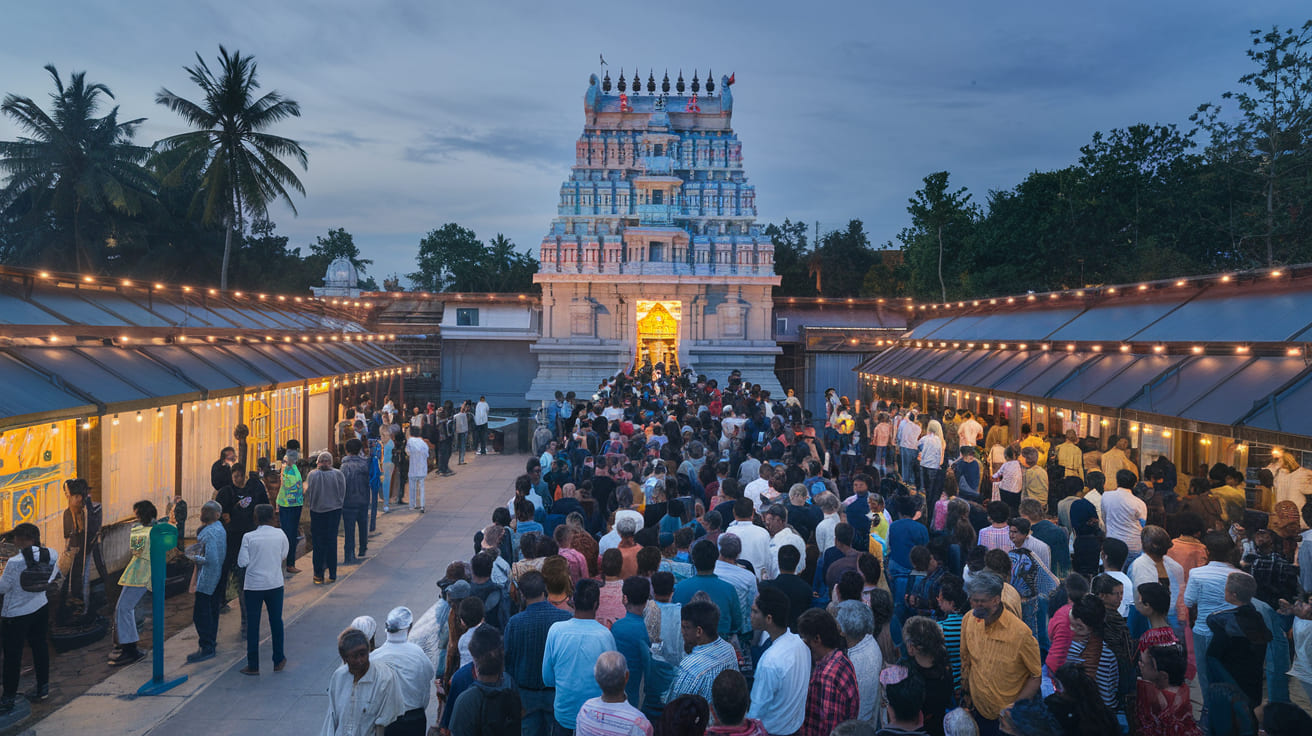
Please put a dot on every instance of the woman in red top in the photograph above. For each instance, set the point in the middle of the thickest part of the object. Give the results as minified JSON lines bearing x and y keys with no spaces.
{"x":1162,"y":707}
{"x":1152,"y":601}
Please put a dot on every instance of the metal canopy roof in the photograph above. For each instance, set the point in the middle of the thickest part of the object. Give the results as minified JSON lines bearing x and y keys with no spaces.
{"x":75,"y":347}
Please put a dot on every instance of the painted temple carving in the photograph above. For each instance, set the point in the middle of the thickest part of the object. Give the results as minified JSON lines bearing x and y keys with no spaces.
{"x":655,"y":224}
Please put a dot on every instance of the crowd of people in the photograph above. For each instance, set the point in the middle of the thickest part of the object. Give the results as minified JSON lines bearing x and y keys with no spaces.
{"x":688,"y":558}
{"x":681,"y":557}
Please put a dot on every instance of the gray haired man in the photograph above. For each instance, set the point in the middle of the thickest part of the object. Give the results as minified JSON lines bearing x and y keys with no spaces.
{"x":606,"y":713}
{"x":208,"y":553}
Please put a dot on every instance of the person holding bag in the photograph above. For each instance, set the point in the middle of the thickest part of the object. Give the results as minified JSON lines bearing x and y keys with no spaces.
{"x":26,"y":584}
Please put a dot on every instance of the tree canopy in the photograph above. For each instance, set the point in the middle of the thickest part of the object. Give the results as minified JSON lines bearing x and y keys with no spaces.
{"x":452,"y":258}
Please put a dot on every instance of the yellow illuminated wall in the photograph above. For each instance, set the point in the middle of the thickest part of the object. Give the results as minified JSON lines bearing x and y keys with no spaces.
{"x":34,"y":463}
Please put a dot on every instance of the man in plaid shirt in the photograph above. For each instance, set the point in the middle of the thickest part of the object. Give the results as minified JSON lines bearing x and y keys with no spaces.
{"x":1276,"y":577}
{"x":833,"y":696}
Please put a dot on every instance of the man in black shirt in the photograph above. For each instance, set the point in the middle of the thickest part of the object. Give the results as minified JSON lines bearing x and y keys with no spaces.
{"x":239,"y":499}
{"x":797,"y":589}
{"x":1239,"y":638}
{"x":221,"y":470}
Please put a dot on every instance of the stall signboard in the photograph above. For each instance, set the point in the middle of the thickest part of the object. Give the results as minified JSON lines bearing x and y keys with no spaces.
{"x":34,"y":463}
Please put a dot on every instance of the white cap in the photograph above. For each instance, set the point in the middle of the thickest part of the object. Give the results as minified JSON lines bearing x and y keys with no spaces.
{"x":399,"y":619}
{"x":367,"y":624}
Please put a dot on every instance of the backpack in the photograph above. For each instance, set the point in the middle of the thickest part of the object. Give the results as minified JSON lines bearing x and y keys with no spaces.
{"x":500,"y":712}
{"x":1024,"y":573}
{"x":37,"y":576}
{"x":345,"y":431}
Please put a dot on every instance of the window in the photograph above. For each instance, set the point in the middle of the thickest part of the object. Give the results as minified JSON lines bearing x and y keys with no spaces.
{"x":656,"y":251}
{"x":781,"y":325}
{"x":467,"y":317}
{"x":658,"y":197}
{"x":658,"y":150}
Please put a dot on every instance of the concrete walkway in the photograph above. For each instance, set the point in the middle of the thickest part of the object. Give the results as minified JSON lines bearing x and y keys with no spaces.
{"x":405,"y":561}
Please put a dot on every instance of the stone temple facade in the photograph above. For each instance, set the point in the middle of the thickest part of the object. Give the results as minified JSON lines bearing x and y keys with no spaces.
{"x":655,"y":254}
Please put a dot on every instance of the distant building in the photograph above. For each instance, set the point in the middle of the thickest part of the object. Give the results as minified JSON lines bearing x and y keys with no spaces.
{"x":341,"y":279}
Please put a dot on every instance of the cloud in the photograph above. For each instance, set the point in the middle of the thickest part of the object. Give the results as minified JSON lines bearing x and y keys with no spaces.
{"x":522,"y":146}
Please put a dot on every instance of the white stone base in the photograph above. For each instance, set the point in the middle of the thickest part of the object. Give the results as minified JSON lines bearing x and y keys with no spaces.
{"x":570,"y":366}
{"x":581,"y":368}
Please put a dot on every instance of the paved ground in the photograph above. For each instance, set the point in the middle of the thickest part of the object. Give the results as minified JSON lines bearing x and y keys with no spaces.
{"x":405,"y":562}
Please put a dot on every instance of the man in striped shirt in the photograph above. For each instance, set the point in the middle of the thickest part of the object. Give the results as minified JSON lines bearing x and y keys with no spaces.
{"x":953,"y":604}
{"x":708,"y":654}
{"x":997,"y":535}
{"x":610,"y":714}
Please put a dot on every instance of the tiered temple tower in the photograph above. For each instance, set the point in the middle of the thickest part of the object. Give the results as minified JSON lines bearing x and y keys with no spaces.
{"x":655,"y":254}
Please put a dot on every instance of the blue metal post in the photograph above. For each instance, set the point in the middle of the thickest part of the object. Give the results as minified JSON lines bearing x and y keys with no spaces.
{"x":163,"y":538}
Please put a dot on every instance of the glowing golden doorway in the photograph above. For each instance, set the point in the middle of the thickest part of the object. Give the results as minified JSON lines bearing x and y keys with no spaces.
{"x":658,"y":335}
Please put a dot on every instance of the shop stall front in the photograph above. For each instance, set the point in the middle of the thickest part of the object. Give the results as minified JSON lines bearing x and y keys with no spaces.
{"x":1198,"y":370}
{"x":137,"y":388}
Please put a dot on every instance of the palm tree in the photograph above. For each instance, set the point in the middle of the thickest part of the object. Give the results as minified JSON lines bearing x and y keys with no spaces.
{"x":72,"y":163}
{"x":239,"y":165}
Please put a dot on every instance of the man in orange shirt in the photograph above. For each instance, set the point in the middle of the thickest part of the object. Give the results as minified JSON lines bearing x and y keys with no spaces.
{"x":999,"y":655}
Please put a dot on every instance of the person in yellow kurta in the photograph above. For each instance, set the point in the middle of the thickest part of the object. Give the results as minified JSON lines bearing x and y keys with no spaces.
{"x":999,"y":654}
{"x":133,"y":586}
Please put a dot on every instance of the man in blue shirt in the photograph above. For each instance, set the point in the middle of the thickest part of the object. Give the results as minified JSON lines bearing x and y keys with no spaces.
{"x":858,"y":510}
{"x":631,"y":638}
{"x":526,"y":639}
{"x":903,"y":534}
{"x":570,"y":653}
{"x":722,"y":594}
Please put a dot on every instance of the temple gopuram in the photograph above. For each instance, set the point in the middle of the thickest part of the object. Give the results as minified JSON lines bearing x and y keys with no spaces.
{"x":655,"y":257}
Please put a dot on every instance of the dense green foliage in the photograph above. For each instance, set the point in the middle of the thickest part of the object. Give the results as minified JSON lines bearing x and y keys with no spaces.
{"x":1141,"y":202}
{"x":452,"y":258}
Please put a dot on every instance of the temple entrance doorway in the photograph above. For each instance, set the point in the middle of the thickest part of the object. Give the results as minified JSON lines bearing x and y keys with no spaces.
{"x":658,"y":335}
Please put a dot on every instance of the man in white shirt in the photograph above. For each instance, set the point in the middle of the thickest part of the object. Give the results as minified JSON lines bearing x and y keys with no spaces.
{"x":757,"y":488}
{"x":824,"y":531}
{"x":417,"y":449}
{"x":263,"y":552}
{"x":481,"y":410}
{"x":413,"y":669}
{"x":857,"y":623}
{"x":783,"y":670}
{"x":26,"y":615}
{"x":781,"y":535}
{"x":755,"y":540}
{"x":362,"y":699}
{"x":1124,"y":514}
{"x":969,"y":431}
{"x":1204,"y":594}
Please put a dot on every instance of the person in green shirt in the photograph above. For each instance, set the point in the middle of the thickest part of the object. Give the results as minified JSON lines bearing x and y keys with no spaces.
{"x":290,"y":497}
{"x":133,"y":585}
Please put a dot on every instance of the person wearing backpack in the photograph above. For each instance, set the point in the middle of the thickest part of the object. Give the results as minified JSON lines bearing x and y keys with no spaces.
{"x":1031,"y":576}
{"x":26,"y":583}
{"x":491,"y":707}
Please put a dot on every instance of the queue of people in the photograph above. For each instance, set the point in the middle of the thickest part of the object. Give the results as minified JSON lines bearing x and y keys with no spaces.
{"x":684,"y":558}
